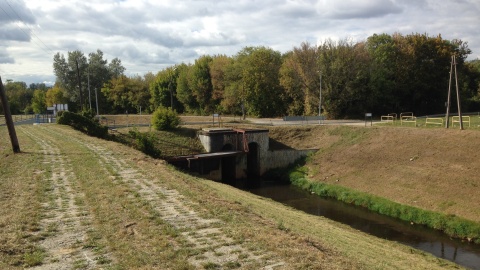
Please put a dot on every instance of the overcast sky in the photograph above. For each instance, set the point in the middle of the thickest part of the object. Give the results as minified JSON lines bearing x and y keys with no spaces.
{"x":149,"y":35}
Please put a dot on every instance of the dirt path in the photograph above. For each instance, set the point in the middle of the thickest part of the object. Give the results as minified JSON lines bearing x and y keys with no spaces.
{"x":66,"y":223}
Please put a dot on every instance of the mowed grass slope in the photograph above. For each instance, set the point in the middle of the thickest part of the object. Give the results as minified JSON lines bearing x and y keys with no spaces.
{"x":433,"y":169}
{"x":125,"y":195}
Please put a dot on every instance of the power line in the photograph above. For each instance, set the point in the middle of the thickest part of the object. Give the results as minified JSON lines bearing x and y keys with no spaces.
{"x":31,"y":30}
{"x":48,"y":51}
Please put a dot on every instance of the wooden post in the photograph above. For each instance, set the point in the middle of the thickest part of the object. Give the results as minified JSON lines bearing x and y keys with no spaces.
{"x":8,"y":119}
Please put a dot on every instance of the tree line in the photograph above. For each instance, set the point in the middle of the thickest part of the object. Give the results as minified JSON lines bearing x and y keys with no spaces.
{"x":383,"y":74}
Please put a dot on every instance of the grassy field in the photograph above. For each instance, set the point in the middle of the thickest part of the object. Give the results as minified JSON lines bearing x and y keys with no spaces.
{"x":77,"y":202}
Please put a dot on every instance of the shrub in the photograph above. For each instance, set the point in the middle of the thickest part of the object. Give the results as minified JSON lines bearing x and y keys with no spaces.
{"x":83,"y":124}
{"x":165,"y":119}
{"x":145,"y":142}
{"x":88,"y":113}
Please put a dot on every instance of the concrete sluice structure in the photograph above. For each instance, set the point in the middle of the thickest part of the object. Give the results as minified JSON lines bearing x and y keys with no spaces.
{"x":233,"y":154}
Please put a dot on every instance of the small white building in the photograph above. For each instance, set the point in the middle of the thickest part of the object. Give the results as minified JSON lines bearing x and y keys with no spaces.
{"x":57,"y":108}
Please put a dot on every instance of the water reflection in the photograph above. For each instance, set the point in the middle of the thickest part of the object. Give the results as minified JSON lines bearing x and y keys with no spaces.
{"x":419,"y":237}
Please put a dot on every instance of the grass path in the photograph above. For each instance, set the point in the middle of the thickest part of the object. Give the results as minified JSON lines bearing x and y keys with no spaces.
{"x":64,"y":222}
{"x":76,"y":202}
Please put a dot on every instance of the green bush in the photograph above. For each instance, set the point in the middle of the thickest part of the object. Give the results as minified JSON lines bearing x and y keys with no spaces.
{"x":59,"y":114}
{"x":145,"y":142}
{"x":165,"y":119}
{"x":83,"y":124}
{"x":90,"y":114}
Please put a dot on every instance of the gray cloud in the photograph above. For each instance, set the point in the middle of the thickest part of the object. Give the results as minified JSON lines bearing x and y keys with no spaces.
{"x":5,"y":58}
{"x":15,"y":11}
{"x":14,"y":33}
{"x":148,"y":35}
{"x":16,"y":19}
{"x":359,"y":9}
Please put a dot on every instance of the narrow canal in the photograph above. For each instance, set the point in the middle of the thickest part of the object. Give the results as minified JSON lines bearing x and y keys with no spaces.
{"x":419,"y":237}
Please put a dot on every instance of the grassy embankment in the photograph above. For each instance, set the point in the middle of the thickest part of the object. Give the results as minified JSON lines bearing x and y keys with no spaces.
{"x":424,"y":176}
{"x":127,"y":231}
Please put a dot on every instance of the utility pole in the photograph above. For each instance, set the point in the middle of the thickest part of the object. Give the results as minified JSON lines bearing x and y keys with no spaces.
{"x":89,"y":95}
{"x":8,"y":119}
{"x":79,"y":85}
{"x":320,"y":97}
{"x":170,"y":87}
{"x":453,"y":68}
{"x":96,"y":99}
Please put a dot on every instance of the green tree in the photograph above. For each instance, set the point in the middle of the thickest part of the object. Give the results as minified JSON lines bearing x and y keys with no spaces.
{"x":38,"y":101}
{"x":470,"y":85}
{"x":218,"y":69}
{"x":410,"y":73}
{"x":72,"y":75}
{"x":19,"y":97}
{"x":139,"y":94}
{"x":35,"y":86}
{"x":200,"y":82}
{"x":385,"y":57}
{"x":260,"y":81}
{"x":115,"y":68}
{"x":184,"y":90}
{"x":55,"y":95}
{"x":299,"y":76}
{"x":234,"y":94}
{"x":128,"y":94}
{"x":98,"y":73}
{"x":344,"y":66}
{"x":77,"y":74}
{"x":117,"y":92}
{"x":164,"y":87}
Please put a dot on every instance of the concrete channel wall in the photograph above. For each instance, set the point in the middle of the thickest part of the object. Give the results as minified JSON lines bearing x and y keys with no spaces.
{"x":228,"y":157}
{"x":283,"y":158}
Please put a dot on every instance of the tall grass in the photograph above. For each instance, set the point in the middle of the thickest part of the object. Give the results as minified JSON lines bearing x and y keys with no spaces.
{"x":450,"y":224}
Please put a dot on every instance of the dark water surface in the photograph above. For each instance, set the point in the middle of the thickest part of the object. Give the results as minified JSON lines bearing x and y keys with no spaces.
{"x":419,"y":237}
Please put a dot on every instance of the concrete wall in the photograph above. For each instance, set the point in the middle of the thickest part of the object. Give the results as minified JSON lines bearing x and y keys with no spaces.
{"x":284,"y":158}
{"x":270,"y":160}
{"x":215,"y":140}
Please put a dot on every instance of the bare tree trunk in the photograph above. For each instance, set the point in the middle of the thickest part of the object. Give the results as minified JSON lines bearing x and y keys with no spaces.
{"x":8,"y":119}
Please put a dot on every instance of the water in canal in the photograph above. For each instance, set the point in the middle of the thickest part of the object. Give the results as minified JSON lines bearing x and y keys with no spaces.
{"x":419,"y":237}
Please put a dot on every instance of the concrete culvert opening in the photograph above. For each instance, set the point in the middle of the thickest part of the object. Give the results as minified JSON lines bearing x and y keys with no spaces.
{"x":227,"y":147}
